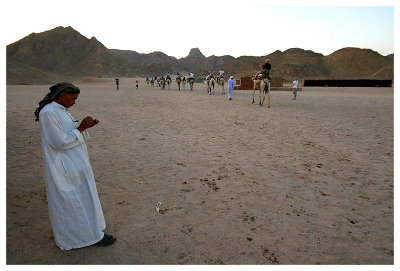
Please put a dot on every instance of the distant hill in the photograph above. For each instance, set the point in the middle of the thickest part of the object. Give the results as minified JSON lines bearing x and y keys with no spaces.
{"x":63,"y":53}
{"x":356,"y":62}
{"x":20,"y":73}
{"x":191,"y":62}
{"x":66,"y":51}
{"x":292,"y":62}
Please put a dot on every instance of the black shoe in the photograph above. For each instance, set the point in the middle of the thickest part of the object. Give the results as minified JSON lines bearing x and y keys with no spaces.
{"x":107,"y":240}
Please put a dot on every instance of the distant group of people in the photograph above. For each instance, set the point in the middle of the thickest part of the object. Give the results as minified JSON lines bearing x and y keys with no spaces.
{"x":117,"y":83}
{"x":219,"y":76}
{"x":163,"y":78}
{"x":264,"y":72}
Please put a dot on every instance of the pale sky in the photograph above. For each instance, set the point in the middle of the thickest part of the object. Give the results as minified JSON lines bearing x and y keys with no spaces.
{"x":216,"y":27}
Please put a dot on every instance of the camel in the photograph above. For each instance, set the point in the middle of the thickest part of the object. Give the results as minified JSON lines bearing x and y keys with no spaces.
{"x":168,"y":81}
{"x":191,"y":82}
{"x":264,"y":86}
{"x":221,"y":82}
{"x":210,"y":85}
{"x":183,"y":83}
{"x":162,"y":83}
{"x":178,"y":81}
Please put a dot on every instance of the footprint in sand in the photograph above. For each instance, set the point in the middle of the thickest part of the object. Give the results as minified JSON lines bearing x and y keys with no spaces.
{"x":270,"y":255}
{"x":212,"y":184}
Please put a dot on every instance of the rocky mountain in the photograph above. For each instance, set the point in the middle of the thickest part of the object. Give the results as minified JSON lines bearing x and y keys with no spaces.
{"x":20,"y":73}
{"x":356,"y":62}
{"x":346,"y":62}
{"x":147,"y":60}
{"x":65,"y":53}
{"x":292,"y":62}
{"x":193,"y":59}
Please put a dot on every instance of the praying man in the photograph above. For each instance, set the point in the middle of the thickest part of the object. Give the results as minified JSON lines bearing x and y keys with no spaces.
{"x":75,"y":212}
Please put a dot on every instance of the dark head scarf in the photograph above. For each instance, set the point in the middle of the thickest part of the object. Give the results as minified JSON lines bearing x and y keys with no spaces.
{"x":55,"y":91}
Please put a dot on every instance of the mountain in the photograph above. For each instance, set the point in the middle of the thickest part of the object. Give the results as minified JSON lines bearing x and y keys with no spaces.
{"x":215,"y":63}
{"x":292,"y":62}
{"x":66,"y":51}
{"x":63,"y":53}
{"x":20,"y":73}
{"x":193,"y":59}
{"x":355,"y":62}
{"x":147,"y":60}
{"x":346,"y":62}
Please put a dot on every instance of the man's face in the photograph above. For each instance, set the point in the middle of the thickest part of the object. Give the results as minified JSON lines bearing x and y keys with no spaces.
{"x":68,"y":99}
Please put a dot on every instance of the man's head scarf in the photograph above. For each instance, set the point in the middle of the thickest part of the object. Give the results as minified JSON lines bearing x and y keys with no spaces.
{"x":55,"y":91}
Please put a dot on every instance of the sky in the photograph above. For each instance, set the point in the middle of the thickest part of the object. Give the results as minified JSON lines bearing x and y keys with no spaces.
{"x":218,"y":28}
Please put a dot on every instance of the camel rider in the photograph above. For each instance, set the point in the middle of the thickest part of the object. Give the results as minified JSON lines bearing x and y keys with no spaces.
{"x":265,"y":70}
{"x":178,"y":76}
{"x":211,"y":75}
{"x":168,"y":76}
{"x":191,"y":77}
{"x":221,"y":74}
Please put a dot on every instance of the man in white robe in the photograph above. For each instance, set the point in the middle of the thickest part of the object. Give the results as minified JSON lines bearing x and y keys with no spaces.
{"x":75,"y":211}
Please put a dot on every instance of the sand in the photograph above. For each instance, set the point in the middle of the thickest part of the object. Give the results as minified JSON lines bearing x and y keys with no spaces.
{"x":304,"y":182}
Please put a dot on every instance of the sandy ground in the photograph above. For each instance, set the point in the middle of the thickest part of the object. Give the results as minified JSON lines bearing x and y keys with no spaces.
{"x":304,"y":182}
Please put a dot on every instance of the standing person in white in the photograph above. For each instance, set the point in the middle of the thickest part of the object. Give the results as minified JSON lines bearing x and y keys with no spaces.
{"x":230,"y":87}
{"x":295,"y":86}
{"x":75,"y":212}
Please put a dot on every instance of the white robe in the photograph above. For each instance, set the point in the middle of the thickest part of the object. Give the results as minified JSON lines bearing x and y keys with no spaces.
{"x":75,"y":211}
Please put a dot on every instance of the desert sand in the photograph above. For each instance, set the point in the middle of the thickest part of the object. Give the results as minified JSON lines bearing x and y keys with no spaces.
{"x":303,"y":182}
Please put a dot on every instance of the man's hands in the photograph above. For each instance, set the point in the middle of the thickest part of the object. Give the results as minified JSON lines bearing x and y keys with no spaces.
{"x":87,"y":123}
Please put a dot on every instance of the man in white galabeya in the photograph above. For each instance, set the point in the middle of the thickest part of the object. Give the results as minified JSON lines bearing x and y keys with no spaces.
{"x":75,"y":212}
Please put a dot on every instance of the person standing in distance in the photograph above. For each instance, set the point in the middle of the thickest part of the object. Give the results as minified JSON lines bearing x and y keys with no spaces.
{"x":75,"y":212}
{"x":295,"y":86}
{"x":117,"y":83}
